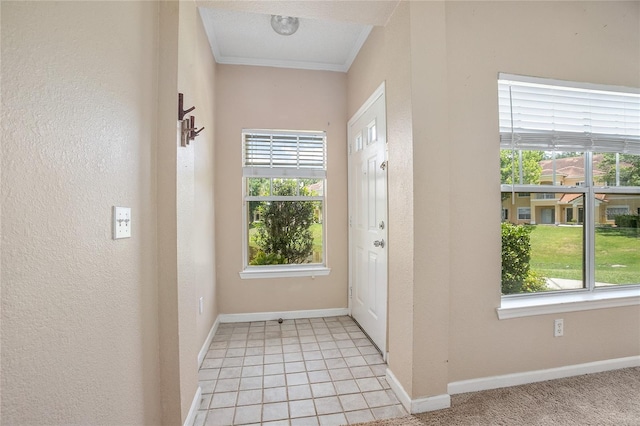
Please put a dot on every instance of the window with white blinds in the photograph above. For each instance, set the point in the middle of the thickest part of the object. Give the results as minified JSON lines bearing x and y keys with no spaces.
{"x":551,"y":115}
{"x":570,"y":168}
{"x":284,"y":153}
{"x":284,"y":180}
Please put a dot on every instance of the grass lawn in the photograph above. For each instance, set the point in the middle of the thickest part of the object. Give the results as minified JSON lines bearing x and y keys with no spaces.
{"x":316,"y":230}
{"x":556,"y":252}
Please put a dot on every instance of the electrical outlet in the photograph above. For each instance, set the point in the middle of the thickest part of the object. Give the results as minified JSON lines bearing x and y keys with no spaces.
{"x":121,"y":222}
{"x":558,"y":328}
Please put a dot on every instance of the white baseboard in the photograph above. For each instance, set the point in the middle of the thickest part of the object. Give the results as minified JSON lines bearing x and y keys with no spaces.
{"x":486,"y":383}
{"x":270,"y":316}
{"x":430,"y":403}
{"x":397,"y":388}
{"x":191,"y":416}
{"x":420,"y":405}
{"x":205,"y":347}
{"x":439,"y":402}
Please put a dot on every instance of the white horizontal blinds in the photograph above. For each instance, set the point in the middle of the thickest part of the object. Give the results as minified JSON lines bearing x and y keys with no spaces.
{"x":548,"y":115}
{"x":301,"y":154}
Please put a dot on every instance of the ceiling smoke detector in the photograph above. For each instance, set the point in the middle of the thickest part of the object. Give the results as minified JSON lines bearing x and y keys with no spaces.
{"x":284,"y":25}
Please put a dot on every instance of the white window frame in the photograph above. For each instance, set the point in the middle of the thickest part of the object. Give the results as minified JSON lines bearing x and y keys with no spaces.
{"x":628,"y":211}
{"x":581,"y":132}
{"x":271,"y":166}
{"x":521,"y":211}
{"x":546,"y":196}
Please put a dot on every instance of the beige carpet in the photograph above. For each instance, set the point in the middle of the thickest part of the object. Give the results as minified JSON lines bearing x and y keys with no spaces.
{"x":610,"y":398}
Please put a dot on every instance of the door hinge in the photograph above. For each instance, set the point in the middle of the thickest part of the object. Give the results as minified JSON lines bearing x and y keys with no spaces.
{"x":350,"y":222}
{"x":350,"y":292}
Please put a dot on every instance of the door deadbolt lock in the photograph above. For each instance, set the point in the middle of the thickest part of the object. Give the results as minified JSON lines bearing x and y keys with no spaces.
{"x":379,"y":243}
{"x":381,"y":225}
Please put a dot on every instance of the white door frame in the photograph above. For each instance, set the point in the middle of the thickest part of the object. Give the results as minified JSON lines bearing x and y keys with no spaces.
{"x":368,"y":103}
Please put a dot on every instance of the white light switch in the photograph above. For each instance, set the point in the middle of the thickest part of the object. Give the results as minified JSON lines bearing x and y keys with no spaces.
{"x":121,"y":222}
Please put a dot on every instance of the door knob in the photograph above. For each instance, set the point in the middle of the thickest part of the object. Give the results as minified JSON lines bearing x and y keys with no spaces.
{"x":379,"y":243}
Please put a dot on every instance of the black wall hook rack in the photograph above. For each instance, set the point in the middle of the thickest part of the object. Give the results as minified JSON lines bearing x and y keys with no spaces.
{"x":192,"y":128}
{"x":181,"y":111}
{"x":185,"y":133}
{"x":187,"y":124}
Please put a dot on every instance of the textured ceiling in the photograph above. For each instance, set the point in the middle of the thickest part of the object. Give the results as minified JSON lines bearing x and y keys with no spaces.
{"x":330,"y":35}
{"x":371,"y":12}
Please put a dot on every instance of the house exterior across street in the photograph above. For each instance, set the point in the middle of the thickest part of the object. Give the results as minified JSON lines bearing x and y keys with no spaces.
{"x":566,"y":208}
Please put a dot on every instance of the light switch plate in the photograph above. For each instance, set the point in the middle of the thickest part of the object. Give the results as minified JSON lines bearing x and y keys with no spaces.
{"x":121,"y":222}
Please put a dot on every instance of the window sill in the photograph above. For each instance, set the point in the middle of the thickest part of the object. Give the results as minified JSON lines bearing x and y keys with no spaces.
{"x":284,"y":272}
{"x":516,"y":307}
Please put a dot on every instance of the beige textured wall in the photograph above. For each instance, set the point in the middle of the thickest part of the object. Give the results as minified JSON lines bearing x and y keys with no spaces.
{"x":97,"y":331}
{"x":166,"y":178}
{"x":444,"y":276}
{"x":386,"y":57}
{"x":431,"y":154}
{"x":272,"y":98}
{"x":204,"y":215}
{"x":1,"y":133}
{"x":79,"y":310}
{"x":585,"y":41}
{"x":195,"y":184}
{"x":185,"y":214}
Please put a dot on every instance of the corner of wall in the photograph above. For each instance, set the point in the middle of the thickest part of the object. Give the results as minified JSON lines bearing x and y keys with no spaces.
{"x":417,"y":405}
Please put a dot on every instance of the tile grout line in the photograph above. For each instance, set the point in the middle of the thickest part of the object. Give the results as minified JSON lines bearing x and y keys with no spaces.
{"x":304,"y":329}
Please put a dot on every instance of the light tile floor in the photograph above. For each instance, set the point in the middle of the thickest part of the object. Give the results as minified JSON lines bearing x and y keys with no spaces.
{"x":318,"y":371}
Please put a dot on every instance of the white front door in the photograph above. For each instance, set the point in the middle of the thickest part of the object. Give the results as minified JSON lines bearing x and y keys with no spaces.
{"x":367,"y":134}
